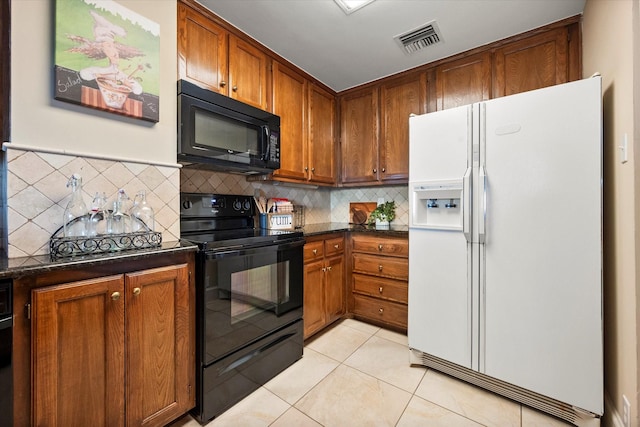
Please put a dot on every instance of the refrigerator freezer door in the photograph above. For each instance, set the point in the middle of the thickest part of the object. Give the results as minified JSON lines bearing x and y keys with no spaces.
{"x":440,"y":315}
{"x":541,"y":324}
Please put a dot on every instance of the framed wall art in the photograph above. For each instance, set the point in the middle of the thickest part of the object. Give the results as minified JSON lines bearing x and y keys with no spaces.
{"x":107,"y":57}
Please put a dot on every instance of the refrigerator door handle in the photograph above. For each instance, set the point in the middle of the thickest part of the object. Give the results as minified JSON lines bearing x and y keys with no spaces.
{"x":482,"y":175}
{"x":466,"y":205}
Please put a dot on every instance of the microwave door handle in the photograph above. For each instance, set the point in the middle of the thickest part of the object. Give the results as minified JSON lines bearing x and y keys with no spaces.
{"x":267,"y":142}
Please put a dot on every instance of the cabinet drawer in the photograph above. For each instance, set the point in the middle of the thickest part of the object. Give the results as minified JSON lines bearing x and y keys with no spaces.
{"x":313,"y":251}
{"x":381,"y":310}
{"x":383,"y":246}
{"x":378,"y":287}
{"x":397,"y":268}
{"x":334,"y":246}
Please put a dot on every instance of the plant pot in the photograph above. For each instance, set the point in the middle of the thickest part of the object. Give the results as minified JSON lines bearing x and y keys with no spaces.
{"x":382,"y":225}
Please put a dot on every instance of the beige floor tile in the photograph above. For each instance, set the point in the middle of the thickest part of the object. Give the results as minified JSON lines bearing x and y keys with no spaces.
{"x":469,"y":401}
{"x":421,"y":412}
{"x":533,"y":418}
{"x":349,"y":397}
{"x":393,"y":336}
{"x":294,"y":418}
{"x":302,"y":376}
{"x":259,"y":409}
{"x":388,"y":361}
{"x":339,"y":342}
{"x":185,"y":421}
{"x":361,"y":326}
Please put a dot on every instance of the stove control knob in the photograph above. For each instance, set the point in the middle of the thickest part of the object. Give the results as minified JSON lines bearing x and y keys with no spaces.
{"x":237,"y":205}
{"x":246,"y":205}
{"x":187,"y":204}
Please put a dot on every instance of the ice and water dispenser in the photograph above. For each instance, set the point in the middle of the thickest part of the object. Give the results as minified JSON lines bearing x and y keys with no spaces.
{"x":437,"y":204}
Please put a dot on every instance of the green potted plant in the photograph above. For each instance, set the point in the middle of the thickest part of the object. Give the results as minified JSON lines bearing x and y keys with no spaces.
{"x":383,"y":214}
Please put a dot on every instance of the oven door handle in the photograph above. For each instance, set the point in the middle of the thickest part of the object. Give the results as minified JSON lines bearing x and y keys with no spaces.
{"x":277,"y":245}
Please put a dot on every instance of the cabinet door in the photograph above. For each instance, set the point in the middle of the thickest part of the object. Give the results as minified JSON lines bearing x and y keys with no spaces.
{"x":289,"y":102}
{"x":463,"y":82}
{"x":247,"y":73}
{"x":322,"y":155}
{"x":398,"y":99}
{"x":334,"y":288}
{"x":532,"y":63}
{"x":78,"y":364}
{"x":314,"y":315}
{"x":160,"y":359}
{"x":359,"y":124}
{"x":202,"y":50}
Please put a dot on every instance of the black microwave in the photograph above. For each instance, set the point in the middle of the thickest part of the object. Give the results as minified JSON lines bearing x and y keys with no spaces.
{"x":220,"y":133}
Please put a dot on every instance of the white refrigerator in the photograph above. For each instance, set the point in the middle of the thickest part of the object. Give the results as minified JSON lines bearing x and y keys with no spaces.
{"x":505,"y":246}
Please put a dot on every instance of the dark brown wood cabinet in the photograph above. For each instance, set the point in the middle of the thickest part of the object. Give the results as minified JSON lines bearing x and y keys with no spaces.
{"x":399,"y":98}
{"x":324,"y":282}
{"x":379,"y":279}
{"x":106,"y":349}
{"x":321,"y":167}
{"x":533,"y":62}
{"x":215,"y":59}
{"x":463,"y":81}
{"x":359,"y":136}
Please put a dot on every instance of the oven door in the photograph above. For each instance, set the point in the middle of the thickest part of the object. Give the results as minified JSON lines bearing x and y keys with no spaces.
{"x":247,"y":294}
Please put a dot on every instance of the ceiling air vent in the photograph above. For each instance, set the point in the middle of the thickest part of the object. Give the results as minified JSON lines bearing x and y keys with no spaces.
{"x":419,"y":38}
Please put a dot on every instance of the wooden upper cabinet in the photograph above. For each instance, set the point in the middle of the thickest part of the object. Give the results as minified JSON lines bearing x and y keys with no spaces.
{"x":213,"y":58}
{"x":248,"y":67}
{"x":290,"y":103}
{"x":359,"y":136}
{"x":202,"y":50}
{"x":322,"y":133}
{"x":532,"y":63}
{"x":399,"y":98}
{"x":464,"y":81}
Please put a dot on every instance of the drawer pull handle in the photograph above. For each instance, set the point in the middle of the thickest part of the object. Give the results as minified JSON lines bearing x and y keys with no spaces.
{"x":136,"y":291}
{"x":381,"y":310}
{"x":115,"y":296}
{"x":380,"y":247}
{"x":336,"y":246}
{"x":380,"y":267}
{"x":380,"y":289}
{"x":315,"y":252}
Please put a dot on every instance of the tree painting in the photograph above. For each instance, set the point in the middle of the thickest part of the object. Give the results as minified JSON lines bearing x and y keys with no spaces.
{"x":107,"y":57}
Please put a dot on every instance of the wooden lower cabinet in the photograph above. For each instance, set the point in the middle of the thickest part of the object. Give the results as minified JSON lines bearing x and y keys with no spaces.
{"x":379,"y":279}
{"x":116,"y":350}
{"x":324,"y":283}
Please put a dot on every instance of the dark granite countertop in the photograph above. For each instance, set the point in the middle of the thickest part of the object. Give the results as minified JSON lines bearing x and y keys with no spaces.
{"x":330,"y":227}
{"x":17,"y":267}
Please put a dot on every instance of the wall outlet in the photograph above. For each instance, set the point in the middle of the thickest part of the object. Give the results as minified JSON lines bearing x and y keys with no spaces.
{"x":626,"y":412}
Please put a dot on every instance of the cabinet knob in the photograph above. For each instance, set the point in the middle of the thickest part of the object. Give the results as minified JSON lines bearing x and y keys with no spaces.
{"x":313,"y":169}
{"x":336,"y":246}
{"x":324,"y":269}
{"x":315,"y":251}
{"x":380,"y":289}
{"x":383,"y":170}
{"x":136,"y":291}
{"x":375,"y":171}
{"x":235,"y":88}
{"x":306,"y":168}
{"x":115,"y":296}
{"x":381,"y":310}
{"x":380,"y":267}
{"x":223,"y":83}
{"x":329,"y":268}
{"x":380,"y":247}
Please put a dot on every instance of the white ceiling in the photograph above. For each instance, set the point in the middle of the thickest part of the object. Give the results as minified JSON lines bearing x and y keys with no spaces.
{"x":344,"y":51}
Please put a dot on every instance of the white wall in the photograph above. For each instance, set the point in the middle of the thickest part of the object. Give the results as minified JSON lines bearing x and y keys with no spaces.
{"x":610,"y":46}
{"x":38,"y":120}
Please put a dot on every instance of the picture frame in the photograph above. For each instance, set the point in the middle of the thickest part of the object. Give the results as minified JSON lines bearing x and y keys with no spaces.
{"x":107,"y":57}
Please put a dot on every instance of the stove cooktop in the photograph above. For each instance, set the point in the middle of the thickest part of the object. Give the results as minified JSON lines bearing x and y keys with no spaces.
{"x":226,"y":239}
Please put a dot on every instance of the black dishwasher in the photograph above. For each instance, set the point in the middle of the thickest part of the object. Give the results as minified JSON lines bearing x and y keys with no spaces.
{"x":6,"y":337}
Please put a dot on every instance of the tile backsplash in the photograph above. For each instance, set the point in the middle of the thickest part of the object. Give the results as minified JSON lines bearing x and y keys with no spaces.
{"x":37,"y":194}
